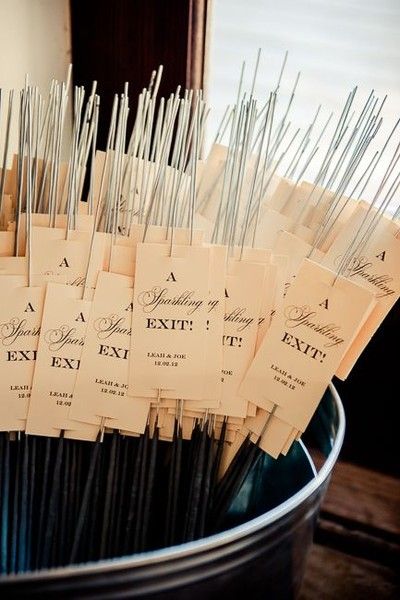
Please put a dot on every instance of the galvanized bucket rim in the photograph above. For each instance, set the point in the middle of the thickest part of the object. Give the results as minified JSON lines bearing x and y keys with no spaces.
{"x":209,"y":543}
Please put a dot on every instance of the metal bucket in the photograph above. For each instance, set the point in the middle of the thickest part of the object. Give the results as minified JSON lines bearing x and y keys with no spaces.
{"x":261,"y":555}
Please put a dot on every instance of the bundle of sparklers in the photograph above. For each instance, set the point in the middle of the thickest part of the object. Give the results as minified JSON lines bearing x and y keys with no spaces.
{"x":164,"y":318}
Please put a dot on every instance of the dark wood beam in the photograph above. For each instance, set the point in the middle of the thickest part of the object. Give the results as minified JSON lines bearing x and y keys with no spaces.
{"x":124,"y":40}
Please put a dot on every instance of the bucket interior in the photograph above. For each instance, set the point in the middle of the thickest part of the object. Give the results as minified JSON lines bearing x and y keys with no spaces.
{"x":270,"y":483}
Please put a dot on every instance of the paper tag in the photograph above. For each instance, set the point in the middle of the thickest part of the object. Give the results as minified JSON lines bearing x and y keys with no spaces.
{"x":304,"y":233}
{"x":155,"y":416}
{"x":319,"y":200}
{"x":215,"y":328}
{"x":204,"y":225}
{"x":99,"y":163}
{"x":58,"y":259}
{"x":11,"y":178}
{"x":102,"y":380}
{"x":7,"y":214}
{"x":123,"y":252}
{"x":292,"y":438}
{"x":14,"y":265}
{"x":20,"y":319}
{"x":275,"y":432}
{"x":167,"y":429}
{"x":306,"y":343}
{"x":296,"y":250}
{"x":242,"y":310}
{"x":280,"y":262}
{"x":99,"y":260}
{"x":120,"y":257}
{"x":169,"y":322}
{"x":377,"y":269}
{"x":64,"y":322}
{"x":338,"y":220}
{"x":270,"y":224}
{"x":210,"y":187}
{"x":7,"y":209}
{"x":264,"y":257}
{"x":267,"y":299}
{"x":295,"y":202}
{"x":7,"y":243}
{"x":280,"y":196}
{"x":10,"y":183}
{"x":82,"y":223}
{"x":182,"y":236}
{"x":229,"y":451}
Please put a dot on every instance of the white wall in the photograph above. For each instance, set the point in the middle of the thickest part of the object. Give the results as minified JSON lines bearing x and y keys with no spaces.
{"x":336,"y":44}
{"x":34,"y":39}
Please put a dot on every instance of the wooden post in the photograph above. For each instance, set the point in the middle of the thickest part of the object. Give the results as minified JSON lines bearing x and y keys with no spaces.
{"x":124,"y":40}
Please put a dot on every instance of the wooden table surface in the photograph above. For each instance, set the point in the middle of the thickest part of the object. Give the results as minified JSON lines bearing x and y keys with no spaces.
{"x":356,"y":554}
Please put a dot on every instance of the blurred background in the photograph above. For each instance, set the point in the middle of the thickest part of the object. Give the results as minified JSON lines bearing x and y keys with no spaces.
{"x":335,"y":45}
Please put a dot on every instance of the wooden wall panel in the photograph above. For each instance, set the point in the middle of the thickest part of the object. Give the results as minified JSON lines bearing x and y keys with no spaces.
{"x":114,"y":41}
